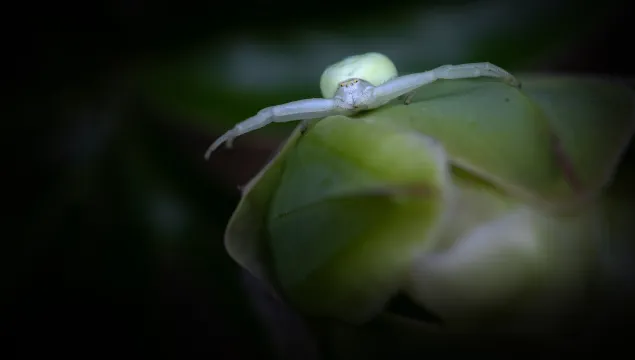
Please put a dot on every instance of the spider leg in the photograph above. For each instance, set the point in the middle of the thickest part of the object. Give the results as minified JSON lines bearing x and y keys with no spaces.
{"x":474,"y":70}
{"x":408,"y":97}
{"x":304,"y":126}
{"x":297,"y":110}
{"x":404,"y":87}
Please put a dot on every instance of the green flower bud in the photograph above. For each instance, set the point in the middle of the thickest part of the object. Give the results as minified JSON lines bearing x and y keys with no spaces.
{"x":456,"y":199}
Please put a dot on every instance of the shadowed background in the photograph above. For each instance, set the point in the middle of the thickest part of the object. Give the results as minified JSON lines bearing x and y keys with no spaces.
{"x":114,"y":220}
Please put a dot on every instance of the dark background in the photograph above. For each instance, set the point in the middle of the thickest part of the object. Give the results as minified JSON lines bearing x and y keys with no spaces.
{"x":114,"y":223}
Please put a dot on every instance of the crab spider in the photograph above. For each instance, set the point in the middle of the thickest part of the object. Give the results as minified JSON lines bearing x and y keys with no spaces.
{"x":357,"y":83}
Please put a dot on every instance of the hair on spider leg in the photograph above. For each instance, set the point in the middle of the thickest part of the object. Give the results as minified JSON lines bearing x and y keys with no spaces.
{"x":304,"y":127}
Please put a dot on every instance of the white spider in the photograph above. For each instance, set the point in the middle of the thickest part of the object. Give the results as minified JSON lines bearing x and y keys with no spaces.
{"x":357,"y":83}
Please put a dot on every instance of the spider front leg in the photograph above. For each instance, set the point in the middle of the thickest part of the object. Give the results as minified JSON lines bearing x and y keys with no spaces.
{"x":405,"y":86}
{"x":467,"y":71}
{"x":296,"y":110}
{"x":474,"y":70}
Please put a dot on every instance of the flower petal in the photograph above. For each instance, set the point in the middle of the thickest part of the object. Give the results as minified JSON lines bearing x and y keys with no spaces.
{"x":356,"y":202}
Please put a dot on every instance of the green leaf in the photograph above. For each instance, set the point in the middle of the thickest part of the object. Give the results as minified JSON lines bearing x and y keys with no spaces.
{"x":489,"y":128}
{"x":246,"y":236}
{"x":351,"y":212}
{"x":594,"y":119}
{"x":539,"y":143}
